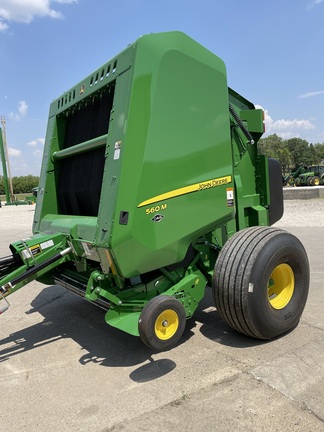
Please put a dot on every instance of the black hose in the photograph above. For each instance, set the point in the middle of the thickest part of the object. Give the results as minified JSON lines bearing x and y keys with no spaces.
{"x":32,"y":270}
{"x":240,"y":124}
{"x":7,"y":260}
{"x":9,"y":263}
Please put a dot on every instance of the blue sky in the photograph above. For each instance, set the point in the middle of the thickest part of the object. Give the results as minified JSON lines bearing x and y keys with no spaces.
{"x":273,"y":51}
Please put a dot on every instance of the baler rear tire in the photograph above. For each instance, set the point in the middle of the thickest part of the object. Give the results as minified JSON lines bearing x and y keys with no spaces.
{"x":162,"y":322}
{"x":261,"y":282}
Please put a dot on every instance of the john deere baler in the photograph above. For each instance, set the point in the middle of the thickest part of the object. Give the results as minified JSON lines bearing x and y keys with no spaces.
{"x":152,"y":188}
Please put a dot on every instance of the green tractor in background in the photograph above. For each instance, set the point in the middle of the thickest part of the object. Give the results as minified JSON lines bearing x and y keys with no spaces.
{"x":291,"y":178}
{"x":311,"y":176}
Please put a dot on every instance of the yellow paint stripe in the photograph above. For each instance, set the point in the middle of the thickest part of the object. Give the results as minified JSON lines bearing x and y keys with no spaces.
{"x":208,"y":184}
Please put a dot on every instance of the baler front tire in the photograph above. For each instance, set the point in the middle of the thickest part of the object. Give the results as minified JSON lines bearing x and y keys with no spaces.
{"x":162,"y":322}
{"x":261,"y":282}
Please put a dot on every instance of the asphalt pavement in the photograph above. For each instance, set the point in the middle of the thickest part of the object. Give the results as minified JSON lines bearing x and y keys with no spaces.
{"x":64,"y":369}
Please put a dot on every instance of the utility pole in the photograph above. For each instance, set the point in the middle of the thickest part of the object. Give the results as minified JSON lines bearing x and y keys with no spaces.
{"x":5,"y":163}
{"x":4,"y":168}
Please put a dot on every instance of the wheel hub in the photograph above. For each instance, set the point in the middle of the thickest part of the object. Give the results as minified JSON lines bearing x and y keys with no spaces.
{"x":281,"y":286}
{"x":166,"y":324}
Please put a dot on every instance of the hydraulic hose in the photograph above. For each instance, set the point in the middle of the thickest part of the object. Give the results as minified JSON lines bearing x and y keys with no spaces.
{"x":32,"y":270}
{"x":9,"y":262}
{"x":240,"y":124}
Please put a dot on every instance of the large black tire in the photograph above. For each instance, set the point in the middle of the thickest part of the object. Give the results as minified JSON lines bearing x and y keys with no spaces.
{"x":315,"y":181}
{"x":261,"y":281}
{"x":162,"y":322}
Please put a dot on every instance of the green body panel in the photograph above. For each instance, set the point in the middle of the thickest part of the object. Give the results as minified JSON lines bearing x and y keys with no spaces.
{"x":176,"y":132}
{"x":145,"y":176}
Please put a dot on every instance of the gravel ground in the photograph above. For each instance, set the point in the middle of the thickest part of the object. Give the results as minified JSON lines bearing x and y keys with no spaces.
{"x":17,"y":220}
{"x":302,"y":213}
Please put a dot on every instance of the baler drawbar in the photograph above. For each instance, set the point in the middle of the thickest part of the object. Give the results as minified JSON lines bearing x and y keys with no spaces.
{"x":151,"y":189}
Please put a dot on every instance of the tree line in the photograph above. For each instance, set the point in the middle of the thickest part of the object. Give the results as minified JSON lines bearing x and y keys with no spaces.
{"x":291,"y":153}
{"x":22,"y":184}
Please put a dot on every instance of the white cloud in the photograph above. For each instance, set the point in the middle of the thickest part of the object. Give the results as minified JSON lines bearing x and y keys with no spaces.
{"x":314,"y":3}
{"x":286,"y":128}
{"x":14,"y":152}
{"x":310,"y":94}
{"x":22,"y":108}
{"x":34,"y":143}
{"x":22,"y":111}
{"x":3,"y":26}
{"x":25,"y":11}
{"x":284,"y":125}
{"x":37,"y":147}
{"x":38,"y":153}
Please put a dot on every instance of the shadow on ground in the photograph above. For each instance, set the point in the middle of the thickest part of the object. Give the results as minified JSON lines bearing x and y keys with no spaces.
{"x":68,"y":316}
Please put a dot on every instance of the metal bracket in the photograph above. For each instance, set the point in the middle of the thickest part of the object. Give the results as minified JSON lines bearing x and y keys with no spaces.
{"x":5,"y":288}
{"x":6,"y":307}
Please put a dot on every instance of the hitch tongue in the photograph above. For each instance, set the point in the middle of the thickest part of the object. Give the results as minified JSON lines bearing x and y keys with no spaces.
{"x":6,"y":307}
{"x":26,"y":275}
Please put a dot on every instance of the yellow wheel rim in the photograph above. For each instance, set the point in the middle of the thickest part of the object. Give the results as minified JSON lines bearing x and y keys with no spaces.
{"x":166,"y":324}
{"x":316,"y":181}
{"x":281,"y":286}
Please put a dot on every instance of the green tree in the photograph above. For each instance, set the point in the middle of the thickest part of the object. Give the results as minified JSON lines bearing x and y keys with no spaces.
{"x":275,"y":147}
{"x":270,"y":145}
{"x":319,"y":148}
{"x":285,"y":159}
{"x":2,"y":190}
{"x":24,"y":184}
{"x":310,"y":156}
{"x":298,"y":149}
